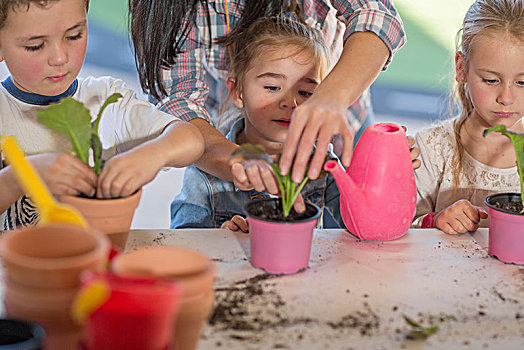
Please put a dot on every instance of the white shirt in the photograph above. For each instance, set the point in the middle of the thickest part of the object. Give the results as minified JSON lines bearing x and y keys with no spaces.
{"x":435,"y":190}
{"x":124,"y":125}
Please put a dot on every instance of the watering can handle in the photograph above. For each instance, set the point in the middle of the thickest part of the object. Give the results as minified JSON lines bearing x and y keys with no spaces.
{"x":26,"y":174}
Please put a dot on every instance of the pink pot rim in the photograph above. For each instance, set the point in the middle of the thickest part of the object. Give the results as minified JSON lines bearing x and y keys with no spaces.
{"x":101,"y":248}
{"x":308,"y":204}
{"x":496,"y":196}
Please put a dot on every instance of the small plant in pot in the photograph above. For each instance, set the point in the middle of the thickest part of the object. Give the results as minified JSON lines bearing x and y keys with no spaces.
{"x":72,"y":119}
{"x":280,"y":238}
{"x":506,"y":210}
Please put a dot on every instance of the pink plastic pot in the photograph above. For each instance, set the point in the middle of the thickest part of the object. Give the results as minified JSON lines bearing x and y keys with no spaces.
{"x":280,"y":247}
{"x":506,"y":230}
{"x":138,"y":314}
{"x":378,"y":194}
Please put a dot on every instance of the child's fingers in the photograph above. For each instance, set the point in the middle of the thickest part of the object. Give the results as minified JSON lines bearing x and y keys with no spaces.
{"x":268,"y":178}
{"x":241,"y":223}
{"x":229,"y":225}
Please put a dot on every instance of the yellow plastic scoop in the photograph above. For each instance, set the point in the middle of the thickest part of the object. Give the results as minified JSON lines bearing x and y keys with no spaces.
{"x":50,"y":210}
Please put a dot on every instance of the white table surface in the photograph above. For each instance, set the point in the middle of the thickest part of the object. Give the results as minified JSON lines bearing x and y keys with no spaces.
{"x":354,"y":293}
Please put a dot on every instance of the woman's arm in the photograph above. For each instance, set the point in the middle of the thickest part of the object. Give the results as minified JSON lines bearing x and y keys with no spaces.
{"x":374,"y":32}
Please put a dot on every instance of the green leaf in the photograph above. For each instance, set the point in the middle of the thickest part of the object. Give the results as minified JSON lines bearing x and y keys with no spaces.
{"x":256,"y":152}
{"x":518,"y":143}
{"x":97,"y":152}
{"x":111,"y":99}
{"x":70,"y":118}
{"x":419,"y":331}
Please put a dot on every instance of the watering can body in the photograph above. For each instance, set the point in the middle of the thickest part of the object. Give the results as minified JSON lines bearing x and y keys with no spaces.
{"x":377,"y":192}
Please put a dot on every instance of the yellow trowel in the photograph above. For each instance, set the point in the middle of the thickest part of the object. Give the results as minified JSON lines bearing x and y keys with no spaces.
{"x":50,"y":210}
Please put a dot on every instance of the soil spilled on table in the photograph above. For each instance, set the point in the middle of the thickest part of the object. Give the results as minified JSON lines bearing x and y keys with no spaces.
{"x":251,"y":306}
{"x":247,"y":306}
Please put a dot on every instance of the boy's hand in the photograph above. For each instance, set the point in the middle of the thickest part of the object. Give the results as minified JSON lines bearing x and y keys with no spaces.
{"x":236,"y":223}
{"x":460,"y":217}
{"x":125,"y":173}
{"x":64,"y":174}
{"x":258,"y":175}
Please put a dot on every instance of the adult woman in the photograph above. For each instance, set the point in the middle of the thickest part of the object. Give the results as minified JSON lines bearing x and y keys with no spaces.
{"x":180,"y":66}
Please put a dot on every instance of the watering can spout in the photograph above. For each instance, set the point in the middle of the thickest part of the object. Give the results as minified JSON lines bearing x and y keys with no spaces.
{"x":349,"y":191}
{"x":377,"y":191}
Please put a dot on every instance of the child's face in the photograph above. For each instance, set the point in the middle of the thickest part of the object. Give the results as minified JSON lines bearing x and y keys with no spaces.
{"x":44,"y":48}
{"x":496,"y":79}
{"x":274,"y":86}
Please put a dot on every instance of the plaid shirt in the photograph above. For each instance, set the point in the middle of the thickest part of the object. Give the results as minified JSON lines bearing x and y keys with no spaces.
{"x":196,"y":82}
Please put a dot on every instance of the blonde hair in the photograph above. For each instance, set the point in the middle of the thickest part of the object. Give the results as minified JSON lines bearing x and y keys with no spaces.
{"x":501,"y":16}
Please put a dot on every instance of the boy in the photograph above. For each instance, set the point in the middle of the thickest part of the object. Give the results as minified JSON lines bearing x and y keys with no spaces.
{"x":43,"y":44}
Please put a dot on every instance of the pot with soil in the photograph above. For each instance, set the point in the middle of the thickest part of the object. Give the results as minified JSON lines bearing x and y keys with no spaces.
{"x":110,"y":216}
{"x":506,"y":227}
{"x":280,"y":244}
{"x":506,"y":212}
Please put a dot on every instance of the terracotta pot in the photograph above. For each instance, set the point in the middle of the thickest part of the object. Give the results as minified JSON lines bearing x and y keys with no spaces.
{"x":52,"y":256}
{"x":111,"y":216}
{"x":506,"y":230}
{"x":20,"y":335}
{"x":280,"y":247}
{"x":195,"y":275}
{"x":42,"y":267}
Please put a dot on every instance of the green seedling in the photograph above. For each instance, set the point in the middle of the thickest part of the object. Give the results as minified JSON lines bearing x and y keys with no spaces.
{"x":518,"y":143}
{"x":419,"y":331}
{"x":72,"y":119}
{"x":289,"y":190}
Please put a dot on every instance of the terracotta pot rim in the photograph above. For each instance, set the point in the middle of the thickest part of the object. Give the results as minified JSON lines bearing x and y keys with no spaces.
{"x":203,"y":264}
{"x":69,"y":262}
{"x":111,"y":201}
{"x":502,"y":195}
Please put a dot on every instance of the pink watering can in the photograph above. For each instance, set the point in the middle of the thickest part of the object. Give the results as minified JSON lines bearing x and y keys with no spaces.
{"x":378,"y":194}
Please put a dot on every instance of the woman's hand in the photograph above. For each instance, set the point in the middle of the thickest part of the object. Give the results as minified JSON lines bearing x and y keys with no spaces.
{"x":314,"y":120}
{"x":236,"y":223}
{"x":460,"y":217}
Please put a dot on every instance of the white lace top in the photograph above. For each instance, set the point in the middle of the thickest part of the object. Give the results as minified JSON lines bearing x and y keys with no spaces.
{"x":435,"y":190}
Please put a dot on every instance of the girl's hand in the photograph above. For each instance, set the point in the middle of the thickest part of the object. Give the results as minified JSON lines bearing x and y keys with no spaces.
{"x":125,"y":173}
{"x":460,"y":217}
{"x":414,"y":151}
{"x":258,"y":175}
{"x":236,"y":223}
{"x":65,"y":174}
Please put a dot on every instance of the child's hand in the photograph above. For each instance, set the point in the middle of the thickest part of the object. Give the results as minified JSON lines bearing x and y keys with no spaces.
{"x":460,"y":217}
{"x":258,"y":175}
{"x":64,"y":173}
{"x":236,"y":223}
{"x":125,"y":173}
{"x":414,"y":151}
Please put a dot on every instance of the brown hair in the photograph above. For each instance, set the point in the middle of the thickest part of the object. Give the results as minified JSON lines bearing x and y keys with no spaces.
{"x":12,"y":5}
{"x":501,"y":16}
{"x":273,"y":33}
